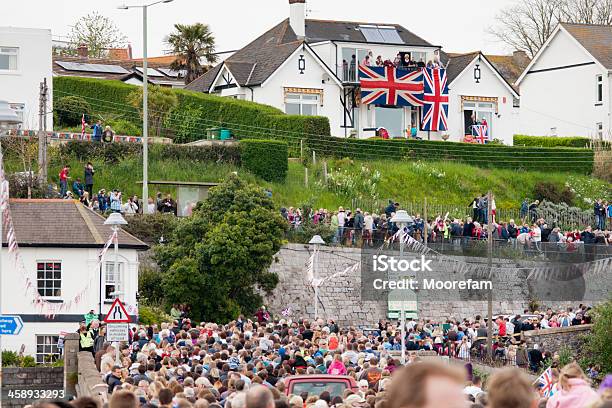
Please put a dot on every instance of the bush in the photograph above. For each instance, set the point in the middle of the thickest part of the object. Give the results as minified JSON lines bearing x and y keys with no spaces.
{"x":69,"y":110}
{"x":268,"y":159}
{"x":548,"y":141}
{"x":152,"y":315}
{"x":10,"y":358}
{"x":108,"y":152}
{"x":598,"y":347}
{"x":525,"y":158}
{"x":151,"y":227}
{"x":552,"y":192}
{"x":150,"y":285}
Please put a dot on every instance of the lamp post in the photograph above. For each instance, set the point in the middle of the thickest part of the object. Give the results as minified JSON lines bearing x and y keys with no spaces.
{"x":145,"y":97}
{"x":8,"y":117}
{"x":401,"y":218}
{"x":114,"y":220}
{"x":316,"y":241}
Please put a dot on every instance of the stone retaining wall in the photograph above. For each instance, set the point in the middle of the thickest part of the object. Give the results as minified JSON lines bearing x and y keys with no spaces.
{"x":554,"y":339}
{"x":18,"y":383}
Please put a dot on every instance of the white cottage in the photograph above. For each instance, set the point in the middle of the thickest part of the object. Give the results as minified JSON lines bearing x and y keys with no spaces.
{"x":25,"y":60}
{"x":567,"y":88}
{"x":59,"y":242}
{"x":308,"y":67}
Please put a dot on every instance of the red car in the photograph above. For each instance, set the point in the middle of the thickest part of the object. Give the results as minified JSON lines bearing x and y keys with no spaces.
{"x":316,"y":384}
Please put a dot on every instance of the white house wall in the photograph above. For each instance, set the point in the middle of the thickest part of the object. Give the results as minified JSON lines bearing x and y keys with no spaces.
{"x":562,"y":102}
{"x":33,"y":65}
{"x":504,"y":124}
{"x":78,"y":270}
{"x":314,"y":76}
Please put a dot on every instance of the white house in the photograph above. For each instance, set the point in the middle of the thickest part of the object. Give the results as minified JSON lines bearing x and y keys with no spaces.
{"x":479,"y":90}
{"x":25,"y":60}
{"x":308,"y":67}
{"x":59,"y":242}
{"x":567,"y":88}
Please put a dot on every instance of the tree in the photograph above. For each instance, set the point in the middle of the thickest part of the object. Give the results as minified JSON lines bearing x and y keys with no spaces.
{"x":161,"y":102}
{"x":98,"y":33}
{"x":598,"y":347}
{"x":217,"y":258}
{"x":191,"y":44}
{"x":527,"y":24}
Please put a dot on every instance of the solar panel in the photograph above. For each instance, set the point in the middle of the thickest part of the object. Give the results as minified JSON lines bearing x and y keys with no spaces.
{"x":102,"y":68}
{"x":372,"y":34}
{"x":381,"y":34}
{"x":390,"y":35}
{"x":172,"y":73}
{"x":150,"y":72}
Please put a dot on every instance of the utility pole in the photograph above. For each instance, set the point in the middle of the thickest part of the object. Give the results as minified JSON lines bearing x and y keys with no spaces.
{"x":490,"y":265}
{"x":42,"y":134}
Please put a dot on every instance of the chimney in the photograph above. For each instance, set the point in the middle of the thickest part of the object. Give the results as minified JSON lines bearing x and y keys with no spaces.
{"x":297,"y":17}
{"x":520,"y":57}
{"x":82,"y":51}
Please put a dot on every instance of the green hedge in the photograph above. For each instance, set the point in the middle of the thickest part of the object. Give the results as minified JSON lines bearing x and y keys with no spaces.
{"x":196,"y":112}
{"x":549,"y":141}
{"x":268,"y":159}
{"x":527,"y":158}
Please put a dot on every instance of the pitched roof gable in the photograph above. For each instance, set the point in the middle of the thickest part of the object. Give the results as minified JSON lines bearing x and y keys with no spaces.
{"x":596,"y":39}
{"x":459,"y":62}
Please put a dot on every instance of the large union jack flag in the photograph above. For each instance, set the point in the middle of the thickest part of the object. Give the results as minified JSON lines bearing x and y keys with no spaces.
{"x":435,"y":100}
{"x":390,"y":86}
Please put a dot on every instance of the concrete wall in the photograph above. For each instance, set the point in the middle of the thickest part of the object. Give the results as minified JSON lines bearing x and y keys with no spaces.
{"x":554,"y":339}
{"x":40,"y":381}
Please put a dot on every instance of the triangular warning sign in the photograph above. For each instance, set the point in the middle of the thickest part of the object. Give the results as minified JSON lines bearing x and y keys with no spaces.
{"x":117,"y":313}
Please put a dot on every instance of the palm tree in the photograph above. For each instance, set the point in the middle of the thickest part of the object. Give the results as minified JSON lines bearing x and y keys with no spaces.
{"x":192,"y":45}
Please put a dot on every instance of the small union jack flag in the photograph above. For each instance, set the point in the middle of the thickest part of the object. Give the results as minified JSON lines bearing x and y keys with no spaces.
{"x":390,"y":86}
{"x":287,"y":312}
{"x":435,"y":100}
{"x":480,"y":133}
{"x":83,"y":126}
{"x":545,"y":382}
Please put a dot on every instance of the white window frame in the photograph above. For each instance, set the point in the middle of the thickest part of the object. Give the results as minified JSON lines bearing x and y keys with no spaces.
{"x":15,"y":53}
{"x":117,"y":282}
{"x":48,"y":348}
{"x":46,"y":280}
{"x":599,"y":128}
{"x":302,"y":99}
{"x":598,"y":89}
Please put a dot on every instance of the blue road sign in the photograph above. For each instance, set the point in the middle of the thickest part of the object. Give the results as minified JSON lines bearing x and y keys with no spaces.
{"x":11,"y":325}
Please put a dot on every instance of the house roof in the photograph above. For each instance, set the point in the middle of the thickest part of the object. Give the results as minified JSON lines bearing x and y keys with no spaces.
{"x":457,"y":63}
{"x":128,"y":65}
{"x":258,"y":60}
{"x":596,"y":39}
{"x":63,"y":223}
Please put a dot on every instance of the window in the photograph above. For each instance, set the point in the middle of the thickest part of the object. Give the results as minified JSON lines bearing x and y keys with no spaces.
{"x":351,"y":58}
{"x":18,"y":108}
{"x":113,"y":281}
{"x":47,"y":350}
{"x":599,"y":89}
{"x":301,"y":104}
{"x":418,"y":56}
{"x":49,"y":278}
{"x":599,"y":127}
{"x":8,"y":58}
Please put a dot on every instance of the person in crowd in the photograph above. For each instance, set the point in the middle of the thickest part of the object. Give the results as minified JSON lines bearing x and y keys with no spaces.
{"x":96,"y":135}
{"x":109,"y":135}
{"x":64,"y":175}
{"x":511,"y":388}
{"x":89,"y":178}
{"x":167,"y":206}
{"x":574,"y":390}
{"x":151,"y":207}
{"x":366,"y":61}
{"x":397,"y":62}
{"x":131,"y":207}
{"x":115,"y":201}
{"x":77,"y":188}
{"x":379,"y":61}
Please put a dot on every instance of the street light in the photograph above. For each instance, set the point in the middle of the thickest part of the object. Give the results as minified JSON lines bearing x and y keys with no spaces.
{"x":401,"y":218}
{"x":114,"y":220}
{"x":8,"y":118}
{"x":316,"y":241}
{"x":145,"y":96}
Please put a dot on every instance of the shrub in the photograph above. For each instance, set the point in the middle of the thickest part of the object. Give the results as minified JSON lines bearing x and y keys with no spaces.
{"x":548,"y":141}
{"x":152,"y":315}
{"x":267,"y":159}
{"x":70,"y":110}
{"x":525,"y":158}
{"x":108,"y":152}
{"x":552,"y":192}
{"x":9,"y":358}
{"x":151,"y":227}
{"x":150,"y":285}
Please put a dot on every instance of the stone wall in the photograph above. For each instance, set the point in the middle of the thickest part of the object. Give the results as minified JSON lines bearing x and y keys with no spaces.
{"x":341,"y":298}
{"x":554,"y":339}
{"x":18,"y":383}
{"x":90,"y":382}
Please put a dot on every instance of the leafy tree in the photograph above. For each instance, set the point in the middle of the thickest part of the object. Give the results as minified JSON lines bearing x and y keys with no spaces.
{"x":597,"y":346}
{"x":527,"y":24}
{"x":191,"y":44}
{"x":98,"y":32}
{"x":216,"y":258}
{"x":161,"y":102}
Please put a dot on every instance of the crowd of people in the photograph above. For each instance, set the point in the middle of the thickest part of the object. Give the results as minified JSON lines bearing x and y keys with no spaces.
{"x":248,"y":363}
{"x":354,"y":227}
{"x":403,"y":61}
{"x":110,"y":200}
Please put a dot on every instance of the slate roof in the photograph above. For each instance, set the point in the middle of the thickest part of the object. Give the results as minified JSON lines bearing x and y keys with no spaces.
{"x":596,"y":39}
{"x":258,"y":60}
{"x":62,"y":223}
{"x":457,"y":64}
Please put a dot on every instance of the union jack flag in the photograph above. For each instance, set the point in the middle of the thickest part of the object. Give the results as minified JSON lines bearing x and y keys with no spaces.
{"x":83,"y":126}
{"x":287,"y":312}
{"x":545,"y":382}
{"x":480,"y":133}
{"x":390,"y":86}
{"x":435,"y":100}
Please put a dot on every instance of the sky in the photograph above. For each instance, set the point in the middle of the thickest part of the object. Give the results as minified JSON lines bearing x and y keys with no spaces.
{"x":457,"y":26}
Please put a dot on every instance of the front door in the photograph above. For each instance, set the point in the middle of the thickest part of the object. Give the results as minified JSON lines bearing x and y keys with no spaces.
{"x":478,"y":113}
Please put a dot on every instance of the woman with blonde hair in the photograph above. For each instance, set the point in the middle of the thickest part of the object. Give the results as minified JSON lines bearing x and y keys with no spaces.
{"x":574,"y":389}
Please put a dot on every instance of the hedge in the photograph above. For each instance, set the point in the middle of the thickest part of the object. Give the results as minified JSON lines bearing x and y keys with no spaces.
{"x":196,"y":112}
{"x":527,"y":158}
{"x":550,"y":141}
{"x":268,"y":159}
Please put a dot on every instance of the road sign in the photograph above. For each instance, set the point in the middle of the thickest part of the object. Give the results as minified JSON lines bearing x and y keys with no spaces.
{"x":10,"y":325}
{"x":117,"y":313}
{"x":117,"y":332}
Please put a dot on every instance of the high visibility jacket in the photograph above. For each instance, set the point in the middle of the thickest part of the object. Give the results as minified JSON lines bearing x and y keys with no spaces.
{"x":87,"y":339}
